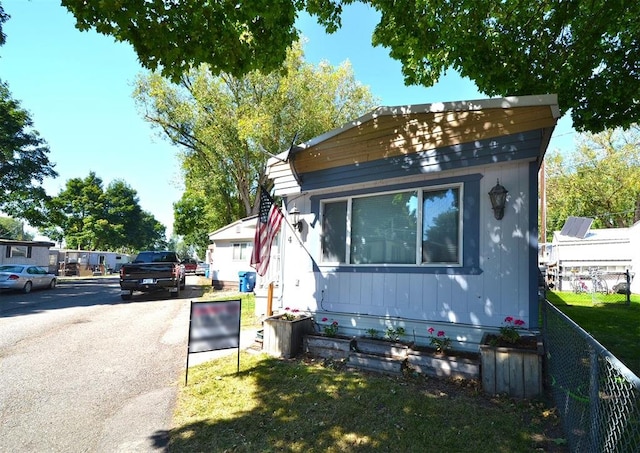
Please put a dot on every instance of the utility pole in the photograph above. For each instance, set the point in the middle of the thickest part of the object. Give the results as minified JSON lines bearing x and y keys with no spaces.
{"x":543,"y":204}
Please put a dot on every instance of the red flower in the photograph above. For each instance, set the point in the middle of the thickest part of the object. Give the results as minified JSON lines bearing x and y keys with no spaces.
{"x":295,"y":310}
{"x":287,"y":308}
{"x":430,"y":330}
{"x":325,"y":319}
{"x":334,"y":323}
{"x":519,"y":322}
{"x":508,"y":319}
{"x":441,"y":333}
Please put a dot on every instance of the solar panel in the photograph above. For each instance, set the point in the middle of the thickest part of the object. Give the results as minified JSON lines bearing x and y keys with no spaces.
{"x":576,"y":227}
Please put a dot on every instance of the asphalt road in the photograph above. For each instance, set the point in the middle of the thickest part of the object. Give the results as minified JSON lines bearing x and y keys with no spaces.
{"x":83,"y":371}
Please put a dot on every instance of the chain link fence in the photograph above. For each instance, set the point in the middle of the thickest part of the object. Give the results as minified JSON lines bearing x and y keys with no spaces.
{"x":603,"y":286}
{"x":597,"y":396}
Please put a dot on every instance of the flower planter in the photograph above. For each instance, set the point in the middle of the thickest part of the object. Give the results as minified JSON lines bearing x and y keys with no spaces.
{"x":512,"y":369}
{"x":377,"y":363}
{"x":328,"y":347}
{"x":283,"y":338}
{"x":442,"y":365}
{"x":381,"y":347}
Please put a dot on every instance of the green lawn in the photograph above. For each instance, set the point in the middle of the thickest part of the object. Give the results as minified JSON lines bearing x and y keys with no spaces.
{"x":306,"y":405}
{"x":310,"y":406}
{"x":248,"y":319}
{"x":615,"y":325}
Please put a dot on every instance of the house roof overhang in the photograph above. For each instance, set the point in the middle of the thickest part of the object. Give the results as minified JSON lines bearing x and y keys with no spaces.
{"x":402,"y":131}
{"x":27,"y":243}
{"x":239,"y":230}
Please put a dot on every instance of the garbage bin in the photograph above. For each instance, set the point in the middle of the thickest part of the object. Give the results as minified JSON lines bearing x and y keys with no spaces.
{"x":247,"y":281}
{"x":251,"y":281}
{"x":242,"y":282}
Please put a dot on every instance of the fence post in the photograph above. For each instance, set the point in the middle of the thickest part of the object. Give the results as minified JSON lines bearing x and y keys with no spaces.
{"x":628,"y":291}
{"x":545,"y":342}
{"x":594,"y":400}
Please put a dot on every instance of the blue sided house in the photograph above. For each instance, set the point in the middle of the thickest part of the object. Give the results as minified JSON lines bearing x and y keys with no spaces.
{"x":390,"y":222}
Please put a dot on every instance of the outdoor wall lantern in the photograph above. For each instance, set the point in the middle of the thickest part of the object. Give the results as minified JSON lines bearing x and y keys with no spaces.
{"x":296,"y":223}
{"x":498,"y":196}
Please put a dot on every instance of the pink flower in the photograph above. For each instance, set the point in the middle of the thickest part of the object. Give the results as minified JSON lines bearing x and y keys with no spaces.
{"x":325,"y":319}
{"x":519,"y":322}
{"x":334,"y":323}
{"x":287,"y":308}
{"x":430,"y":330}
{"x":441,"y":333}
{"x":295,"y":310}
{"x":508,"y":319}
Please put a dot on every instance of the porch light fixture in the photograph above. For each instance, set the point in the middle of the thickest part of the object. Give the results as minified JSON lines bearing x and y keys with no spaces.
{"x":498,"y":196}
{"x":296,"y":223}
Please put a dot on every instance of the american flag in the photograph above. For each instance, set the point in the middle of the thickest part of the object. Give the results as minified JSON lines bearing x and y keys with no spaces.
{"x":269,"y":221}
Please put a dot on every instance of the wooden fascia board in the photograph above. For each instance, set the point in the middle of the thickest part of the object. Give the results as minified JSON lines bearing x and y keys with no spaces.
{"x":404,"y":134}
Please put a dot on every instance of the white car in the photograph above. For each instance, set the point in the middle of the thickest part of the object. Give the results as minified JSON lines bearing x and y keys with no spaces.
{"x":25,"y":277}
{"x":202,"y":268}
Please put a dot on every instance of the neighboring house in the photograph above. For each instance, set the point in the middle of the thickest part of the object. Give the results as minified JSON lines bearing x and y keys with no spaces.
{"x":577,"y":250}
{"x":28,"y":252}
{"x":230,"y":253}
{"x":85,"y":262}
{"x":397,"y":229}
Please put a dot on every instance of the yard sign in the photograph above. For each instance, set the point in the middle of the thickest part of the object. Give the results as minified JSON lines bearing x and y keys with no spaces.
{"x":214,"y":326}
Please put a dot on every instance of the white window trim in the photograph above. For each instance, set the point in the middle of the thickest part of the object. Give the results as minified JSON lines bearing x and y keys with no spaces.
{"x":24,"y":249}
{"x":244,"y":249}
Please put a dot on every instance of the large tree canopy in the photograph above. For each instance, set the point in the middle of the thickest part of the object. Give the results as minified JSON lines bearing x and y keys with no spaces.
{"x":226,"y":127}
{"x":586,"y":52}
{"x":89,"y":217}
{"x":23,"y":157}
{"x":13,"y":229}
{"x":24,"y":162}
{"x":599,"y":180}
{"x":233,"y":37}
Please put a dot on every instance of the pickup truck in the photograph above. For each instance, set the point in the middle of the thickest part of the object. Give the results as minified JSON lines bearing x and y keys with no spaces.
{"x":152,"y":271}
{"x":189,"y":265}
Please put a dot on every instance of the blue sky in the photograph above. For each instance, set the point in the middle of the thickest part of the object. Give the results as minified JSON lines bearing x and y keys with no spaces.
{"x":77,"y":87}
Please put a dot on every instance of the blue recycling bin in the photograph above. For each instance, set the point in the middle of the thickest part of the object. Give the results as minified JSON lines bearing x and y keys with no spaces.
{"x":247,"y":281}
{"x":251,"y":281}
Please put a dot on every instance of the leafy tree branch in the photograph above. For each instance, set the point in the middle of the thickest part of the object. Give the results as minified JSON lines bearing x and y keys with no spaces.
{"x":586,"y":52}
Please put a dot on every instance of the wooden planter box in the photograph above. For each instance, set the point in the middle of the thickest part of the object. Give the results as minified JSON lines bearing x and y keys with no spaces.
{"x":381,"y":347}
{"x":443,"y":366}
{"x":377,"y":363}
{"x":511,"y":370}
{"x":283,"y":338}
{"x":328,"y":347}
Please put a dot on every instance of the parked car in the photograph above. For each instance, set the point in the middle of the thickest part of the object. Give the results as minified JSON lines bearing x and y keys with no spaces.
{"x":202,"y":268}
{"x":189,"y":265}
{"x":25,"y":277}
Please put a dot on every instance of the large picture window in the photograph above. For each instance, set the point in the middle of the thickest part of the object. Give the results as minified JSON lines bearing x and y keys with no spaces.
{"x":405,"y":227}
